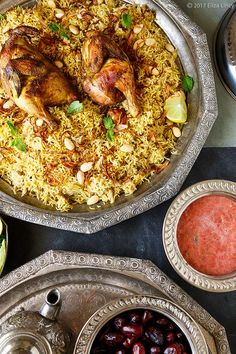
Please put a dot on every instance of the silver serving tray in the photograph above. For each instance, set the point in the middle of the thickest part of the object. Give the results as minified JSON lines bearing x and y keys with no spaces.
{"x":89,"y":281}
{"x":191,"y":43}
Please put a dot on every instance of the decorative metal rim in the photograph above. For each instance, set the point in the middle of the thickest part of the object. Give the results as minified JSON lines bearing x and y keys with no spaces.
{"x":178,"y":315}
{"x":95,"y":221}
{"x":206,"y":282}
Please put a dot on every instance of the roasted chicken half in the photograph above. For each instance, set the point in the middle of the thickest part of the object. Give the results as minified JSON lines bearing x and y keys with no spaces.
{"x":30,"y":79}
{"x":108,"y":74}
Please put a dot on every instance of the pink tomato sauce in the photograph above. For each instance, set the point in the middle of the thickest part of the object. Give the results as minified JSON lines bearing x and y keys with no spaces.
{"x":206,"y":235}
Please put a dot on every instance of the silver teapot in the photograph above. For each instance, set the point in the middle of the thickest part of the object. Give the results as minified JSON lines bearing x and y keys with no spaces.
{"x":29,"y":332}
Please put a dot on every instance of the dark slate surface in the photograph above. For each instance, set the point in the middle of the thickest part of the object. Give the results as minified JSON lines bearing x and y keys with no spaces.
{"x":139,"y":237}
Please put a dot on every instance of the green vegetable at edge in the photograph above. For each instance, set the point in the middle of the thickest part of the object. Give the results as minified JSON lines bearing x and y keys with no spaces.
{"x":187,"y":83}
{"x":126,"y":21}
{"x":3,"y":252}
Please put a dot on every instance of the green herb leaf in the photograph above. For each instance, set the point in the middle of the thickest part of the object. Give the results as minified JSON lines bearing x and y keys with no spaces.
{"x":2,"y":17}
{"x":63,"y":34}
{"x":110,"y":135}
{"x":108,"y":122}
{"x":75,"y":107}
{"x":55,"y":27}
{"x":19,"y":144}
{"x":126,"y":21}
{"x":13,"y":129}
{"x":187,"y":83}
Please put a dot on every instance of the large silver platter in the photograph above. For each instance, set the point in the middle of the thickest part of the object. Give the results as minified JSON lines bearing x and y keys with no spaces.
{"x":89,"y":281}
{"x":193,"y":51}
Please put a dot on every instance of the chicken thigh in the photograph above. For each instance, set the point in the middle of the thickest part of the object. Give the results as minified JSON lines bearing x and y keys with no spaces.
{"x":30,"y":79}
{"x":108,"y":74}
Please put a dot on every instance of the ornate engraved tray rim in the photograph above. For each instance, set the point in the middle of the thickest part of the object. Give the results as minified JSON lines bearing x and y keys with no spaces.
{"x":144,"y":272}
{"x":194,"y":55}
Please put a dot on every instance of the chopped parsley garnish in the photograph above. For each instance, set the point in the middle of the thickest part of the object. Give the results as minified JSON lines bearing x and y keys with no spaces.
{"x":126,"y":21}
{"x":13,"y":129}
{"x":2,"y":17}
{"x":57,"y":28}
{"x":187,"y":83}
{"x":75,"y":107}
{"x":17,"y":142}
{"x":109,"y":125}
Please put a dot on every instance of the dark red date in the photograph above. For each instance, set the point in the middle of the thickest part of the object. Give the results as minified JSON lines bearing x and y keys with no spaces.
{"x":155,"y":350}
{"x":138,"y":348}
{"x":141,"y":332}
{"x":154,"y":335}
{"x":133,"y":330}
{"x":113,"y":338}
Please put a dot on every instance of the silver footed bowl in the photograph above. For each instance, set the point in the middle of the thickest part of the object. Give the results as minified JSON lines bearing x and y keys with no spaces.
{"x":181,"y":318}
{"x":223,"y":283}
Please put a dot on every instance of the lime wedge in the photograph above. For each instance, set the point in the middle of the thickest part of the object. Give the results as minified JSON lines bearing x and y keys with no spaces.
{"x":175,"y":108}
{"x":3,"y":254}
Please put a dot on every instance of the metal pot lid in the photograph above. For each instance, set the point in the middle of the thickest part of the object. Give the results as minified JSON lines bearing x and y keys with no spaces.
{"x":225,"y":51}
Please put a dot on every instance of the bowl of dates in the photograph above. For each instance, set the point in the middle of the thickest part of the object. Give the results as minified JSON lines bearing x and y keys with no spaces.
{"x":141,"y":325}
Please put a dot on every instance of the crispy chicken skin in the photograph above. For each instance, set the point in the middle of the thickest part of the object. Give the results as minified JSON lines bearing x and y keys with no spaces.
{"x":30,"y":79}
{"x":108,"y":74}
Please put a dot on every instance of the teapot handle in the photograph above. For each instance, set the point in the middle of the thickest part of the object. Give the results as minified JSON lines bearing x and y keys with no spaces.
{"x":52,"y":305}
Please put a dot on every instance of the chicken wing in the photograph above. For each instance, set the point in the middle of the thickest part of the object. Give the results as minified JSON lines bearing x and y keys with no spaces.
{"x":30,"y":79}
{"x":109,"y":76}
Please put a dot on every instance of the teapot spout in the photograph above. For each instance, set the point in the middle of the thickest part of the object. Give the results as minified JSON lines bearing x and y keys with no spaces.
{"x":52,"y":305}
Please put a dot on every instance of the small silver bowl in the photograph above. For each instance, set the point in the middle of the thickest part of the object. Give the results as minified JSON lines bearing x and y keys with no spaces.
{"x":97,"y":321}
{"x":223,"y":283}
{"x":5,"y":233}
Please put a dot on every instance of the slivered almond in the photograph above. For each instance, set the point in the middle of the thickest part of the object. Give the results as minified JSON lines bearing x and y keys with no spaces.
{"x":170,"y":48}
{"x":92,"y":200}
{"x":138,"y":28}
{"x":59,"y":13}
{"x":74,"y":29}
{"x":177,"y":132}
{"x":150,"y":42}
{"x":86,"y":166}
{"x":51,"y":4}
{"x":39,"y":122}
{"x":126,"y":148}
{"x":155,"y":72}
{"x":120,"y":127}
{"x":138,"y":44}
{"x":80,"y":177}
{"x":8,"y":104}
{"x":69,"y":144}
